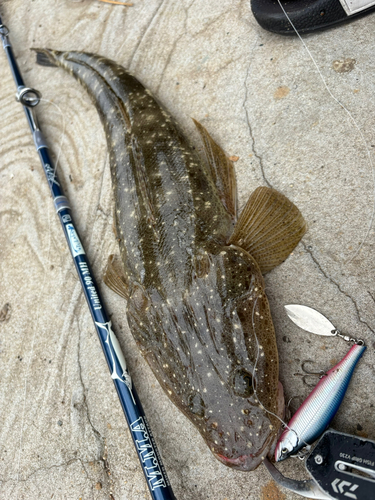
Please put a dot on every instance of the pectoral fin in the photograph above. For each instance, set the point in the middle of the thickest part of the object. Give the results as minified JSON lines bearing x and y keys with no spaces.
{"x":115,"y":278}
{"x":222,"y":170}
{"x":269,"y":228}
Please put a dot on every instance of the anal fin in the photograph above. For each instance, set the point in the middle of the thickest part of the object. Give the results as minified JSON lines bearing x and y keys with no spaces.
{"x":269,"y":228}
{"x":115,"y":278}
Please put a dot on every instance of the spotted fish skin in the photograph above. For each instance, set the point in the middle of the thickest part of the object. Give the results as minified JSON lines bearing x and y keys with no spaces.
{"x":196,"y":304}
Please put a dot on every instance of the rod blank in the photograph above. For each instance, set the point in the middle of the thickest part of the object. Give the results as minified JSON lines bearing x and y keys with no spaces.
{"x":149,"y":457}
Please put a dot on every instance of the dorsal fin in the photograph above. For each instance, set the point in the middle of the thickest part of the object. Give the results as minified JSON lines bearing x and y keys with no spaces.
{"x":222,"y":170}
{"x":269,"y":228}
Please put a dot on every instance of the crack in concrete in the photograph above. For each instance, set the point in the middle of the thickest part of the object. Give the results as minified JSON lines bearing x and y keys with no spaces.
{"x":326,"y":275}
{"x":99,"y":437}
{"x":144,"y":33}
{"x":108,"y":471}
{"x":253,"y":148}
{"x":50,"y":467}
{"x":208,"y":25}
{"x":169,"y":60}
{"x":103,"y":452}
{"x":225,"y":65}
{"x":172,"y":50}
{"x":371,"y":295}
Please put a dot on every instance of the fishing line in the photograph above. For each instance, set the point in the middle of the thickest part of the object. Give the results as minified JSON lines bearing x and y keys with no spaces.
{"x":254,"y":378}
{"x":36,"y":323}
{"x":355,"y":124}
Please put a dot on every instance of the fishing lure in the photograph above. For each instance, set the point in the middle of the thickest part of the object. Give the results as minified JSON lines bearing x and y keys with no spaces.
{"x":318,"y":410}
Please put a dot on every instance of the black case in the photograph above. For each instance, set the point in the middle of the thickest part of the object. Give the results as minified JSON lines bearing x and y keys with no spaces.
{"x":306,"y":15}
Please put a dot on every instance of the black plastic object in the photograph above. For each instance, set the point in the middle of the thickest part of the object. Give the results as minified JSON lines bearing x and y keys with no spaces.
{"x":306,"y":15}
{"x":344,"y":466}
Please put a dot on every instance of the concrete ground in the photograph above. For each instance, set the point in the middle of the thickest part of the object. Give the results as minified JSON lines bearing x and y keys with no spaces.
{"x":62,"y":432}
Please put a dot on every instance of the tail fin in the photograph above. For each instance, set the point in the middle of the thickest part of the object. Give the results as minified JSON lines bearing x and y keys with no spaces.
{"x":46,"y":57}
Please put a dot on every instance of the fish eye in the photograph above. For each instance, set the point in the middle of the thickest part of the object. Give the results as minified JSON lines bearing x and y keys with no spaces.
{"x":284,"y":451}
{"x":196,"y":404}
{"x":243,"y":383}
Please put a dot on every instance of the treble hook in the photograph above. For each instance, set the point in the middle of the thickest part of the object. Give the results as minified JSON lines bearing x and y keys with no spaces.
{"x":320,"y":373}
{"x":309,"y":373}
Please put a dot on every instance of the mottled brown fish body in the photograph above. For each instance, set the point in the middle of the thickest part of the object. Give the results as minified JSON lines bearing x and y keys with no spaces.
{"x":196,"y":301}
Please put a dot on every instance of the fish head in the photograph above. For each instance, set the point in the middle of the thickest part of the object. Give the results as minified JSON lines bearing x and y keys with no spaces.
{"x":286,"y":445}
{"x":234,"y":424}
{"x":243,"y":353}
{"x":214,"y":352}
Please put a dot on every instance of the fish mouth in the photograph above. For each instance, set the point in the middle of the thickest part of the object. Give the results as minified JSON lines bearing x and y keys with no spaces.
{"x":249,"y":462}
{"x":244,"y":462}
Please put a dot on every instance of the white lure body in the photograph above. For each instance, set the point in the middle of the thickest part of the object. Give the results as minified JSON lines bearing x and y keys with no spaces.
{"x":319,"y":408}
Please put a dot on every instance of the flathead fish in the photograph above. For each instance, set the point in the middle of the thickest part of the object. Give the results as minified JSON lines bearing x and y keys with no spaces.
{"x":191,"y":272}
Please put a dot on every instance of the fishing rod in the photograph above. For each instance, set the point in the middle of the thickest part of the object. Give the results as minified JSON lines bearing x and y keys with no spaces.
{"x":149,"y":457}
